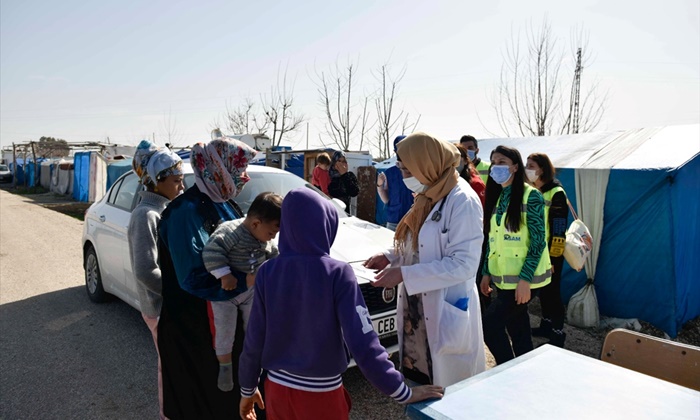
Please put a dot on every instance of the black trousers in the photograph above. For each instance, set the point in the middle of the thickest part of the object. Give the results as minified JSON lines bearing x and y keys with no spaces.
{"x":503,"y":318}
{"x":550,"y":296}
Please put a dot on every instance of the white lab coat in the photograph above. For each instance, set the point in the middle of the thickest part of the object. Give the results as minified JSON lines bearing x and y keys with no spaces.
{"x":449,"y":252}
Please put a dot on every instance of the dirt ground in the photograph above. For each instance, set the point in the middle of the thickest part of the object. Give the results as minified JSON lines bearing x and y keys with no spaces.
{"x":587,"y":341}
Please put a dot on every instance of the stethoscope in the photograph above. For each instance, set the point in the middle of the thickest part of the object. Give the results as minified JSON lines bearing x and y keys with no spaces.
{"x":437,"y":216}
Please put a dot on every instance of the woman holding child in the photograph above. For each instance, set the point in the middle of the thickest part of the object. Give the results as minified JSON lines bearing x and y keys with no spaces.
{"x":190,"y":366}
{"x":434,"y":262}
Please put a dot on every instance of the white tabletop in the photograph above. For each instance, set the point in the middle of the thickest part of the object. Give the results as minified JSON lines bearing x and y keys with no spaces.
{"x":553,"y":383}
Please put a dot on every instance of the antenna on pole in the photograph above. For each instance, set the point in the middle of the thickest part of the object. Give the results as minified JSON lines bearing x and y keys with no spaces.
{"x":577,"y":91}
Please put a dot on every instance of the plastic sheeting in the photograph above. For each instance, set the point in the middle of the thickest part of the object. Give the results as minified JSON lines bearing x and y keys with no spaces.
{"x":89,"y":176}
{"x":650,"y":228}
{"x":117,"y":168}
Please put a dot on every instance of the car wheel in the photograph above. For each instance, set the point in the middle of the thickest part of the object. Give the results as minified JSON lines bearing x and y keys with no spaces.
{"x":93,"y":279}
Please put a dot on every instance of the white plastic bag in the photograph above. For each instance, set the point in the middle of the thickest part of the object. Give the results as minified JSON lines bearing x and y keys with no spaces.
{"x":579,"y":243}
{"x":582,"y":310}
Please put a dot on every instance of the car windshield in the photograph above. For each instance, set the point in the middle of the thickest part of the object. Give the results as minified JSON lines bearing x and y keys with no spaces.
{"x":279,"y":183}
{"x":4,"y":168}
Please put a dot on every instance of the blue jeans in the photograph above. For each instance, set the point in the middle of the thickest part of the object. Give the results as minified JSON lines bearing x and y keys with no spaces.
{"x":391,"y":226}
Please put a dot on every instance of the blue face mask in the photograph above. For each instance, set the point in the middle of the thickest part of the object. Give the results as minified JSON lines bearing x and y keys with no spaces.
{"x":471,"y":154}
{"x":500,"y":173}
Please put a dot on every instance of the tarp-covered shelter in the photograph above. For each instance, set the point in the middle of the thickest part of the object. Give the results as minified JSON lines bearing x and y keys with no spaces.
{"x":89,"y":176}
{"x":117,"y":168}
{"x":46,"y":169}
{"x":638,"y":191}
{"x":62,"y":177}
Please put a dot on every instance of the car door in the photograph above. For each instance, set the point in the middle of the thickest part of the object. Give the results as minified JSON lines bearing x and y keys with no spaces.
{"x":111,"y":240}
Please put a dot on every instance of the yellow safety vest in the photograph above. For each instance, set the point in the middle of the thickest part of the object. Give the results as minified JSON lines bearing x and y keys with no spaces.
{"x":547,"y":206}
{"x":507,"y":252}
{"x":483,"y":169}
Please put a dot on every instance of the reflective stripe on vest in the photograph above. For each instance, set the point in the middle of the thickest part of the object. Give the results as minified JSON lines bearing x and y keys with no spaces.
{"x":483,"y":169}
{"x":547,"y":205}
{"x":509,"y":249}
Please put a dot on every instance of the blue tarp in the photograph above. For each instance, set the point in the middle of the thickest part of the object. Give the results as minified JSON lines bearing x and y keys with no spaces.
{"x":27,"y":170}
{"x":647,"y":266}
{"x":81,"y":176}
{"x":117,"y":168}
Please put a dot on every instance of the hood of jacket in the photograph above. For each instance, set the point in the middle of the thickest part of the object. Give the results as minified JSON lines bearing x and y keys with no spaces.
{"x":309,"y":223}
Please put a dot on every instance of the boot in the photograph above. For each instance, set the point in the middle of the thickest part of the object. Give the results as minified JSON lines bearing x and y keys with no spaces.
{"x":557,"y":338}
{"x":544,"y":330}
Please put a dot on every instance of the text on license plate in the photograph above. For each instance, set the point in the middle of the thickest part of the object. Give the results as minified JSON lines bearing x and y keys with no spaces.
{"x":385,"y":325}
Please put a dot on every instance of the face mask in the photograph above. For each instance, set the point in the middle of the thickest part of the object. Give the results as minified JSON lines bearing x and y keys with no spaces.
{"x":414,"y":185}
{"x":500,"y":173}
{"x":471,"y":154}
{"x":459,"y":168}
{"x":531,"y":175}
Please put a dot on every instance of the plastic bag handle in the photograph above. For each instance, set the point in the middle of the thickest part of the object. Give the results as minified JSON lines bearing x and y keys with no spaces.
{"x":571,"y":208}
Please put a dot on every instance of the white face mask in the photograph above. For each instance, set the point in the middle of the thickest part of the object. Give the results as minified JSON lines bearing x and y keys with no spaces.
{"x":531,"y":175}
{"x":414,"y":185}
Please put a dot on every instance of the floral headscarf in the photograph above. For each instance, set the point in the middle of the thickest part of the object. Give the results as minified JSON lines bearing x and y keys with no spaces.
{"x":437,"y":172}
{"x":219,"y":167}
{"x":143,"y":153}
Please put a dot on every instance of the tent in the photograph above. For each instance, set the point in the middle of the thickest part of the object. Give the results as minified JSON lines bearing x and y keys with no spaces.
{"x":117,"y":168}
{"x":89,"y":176}
{"x":62,"y":177}
{"x":638,"y":191}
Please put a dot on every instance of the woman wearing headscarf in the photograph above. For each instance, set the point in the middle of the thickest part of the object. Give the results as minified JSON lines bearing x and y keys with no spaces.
{"x":160,"y":172}
{"x":434,"y":262}
{"x":344,"y":183}
{"x":190,"y":366}
{"x":516,"y":258}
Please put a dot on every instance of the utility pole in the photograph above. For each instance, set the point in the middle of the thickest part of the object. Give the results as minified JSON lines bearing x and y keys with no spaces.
{"x":577,"y":91}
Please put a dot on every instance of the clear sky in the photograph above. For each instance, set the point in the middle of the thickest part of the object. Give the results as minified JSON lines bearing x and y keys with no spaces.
{"x":85,"y":71}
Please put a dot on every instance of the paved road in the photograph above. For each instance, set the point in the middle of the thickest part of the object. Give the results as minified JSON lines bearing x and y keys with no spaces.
{"x":63,"y":357}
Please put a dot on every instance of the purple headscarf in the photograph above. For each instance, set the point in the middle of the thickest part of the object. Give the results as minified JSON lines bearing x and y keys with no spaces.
{"x":219,"y":167}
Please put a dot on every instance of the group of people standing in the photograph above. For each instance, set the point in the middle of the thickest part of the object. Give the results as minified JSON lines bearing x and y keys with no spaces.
{"x":525,"y":216}
{"x":199,"y":265}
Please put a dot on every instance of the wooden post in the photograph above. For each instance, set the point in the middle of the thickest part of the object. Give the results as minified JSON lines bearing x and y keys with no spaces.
{"x":36,"y":165}
{"x":367,"y":198}
{"x":24,"y":166}
{"x":14,"y":166}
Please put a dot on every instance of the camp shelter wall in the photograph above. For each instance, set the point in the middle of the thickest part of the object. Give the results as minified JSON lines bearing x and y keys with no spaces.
{"x":117,"y":168}
{"x":62,"y":177}
{"x":46,"y":169}
{"x":641,"y":188}
{"x":90,"y":176}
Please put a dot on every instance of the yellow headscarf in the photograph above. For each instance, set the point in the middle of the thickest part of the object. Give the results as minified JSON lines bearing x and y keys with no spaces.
{"x":433,"y":163}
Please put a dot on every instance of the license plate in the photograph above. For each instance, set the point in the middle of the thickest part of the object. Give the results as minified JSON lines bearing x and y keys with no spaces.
{"x":384,"y":326}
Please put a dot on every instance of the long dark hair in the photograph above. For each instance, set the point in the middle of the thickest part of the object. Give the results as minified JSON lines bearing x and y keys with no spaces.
{"x":493,"y":191}
{"x":545,"y":164}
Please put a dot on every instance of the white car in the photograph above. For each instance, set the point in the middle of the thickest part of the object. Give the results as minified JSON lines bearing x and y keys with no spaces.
{"x":107,"y":261}
{"x":5,"y":173}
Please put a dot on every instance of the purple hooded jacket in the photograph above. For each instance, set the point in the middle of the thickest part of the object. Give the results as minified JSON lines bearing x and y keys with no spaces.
{"x":308,"y":307}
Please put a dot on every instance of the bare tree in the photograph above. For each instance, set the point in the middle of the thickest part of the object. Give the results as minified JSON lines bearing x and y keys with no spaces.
{"x":529,"y":99}
{"x":169,"y":129}
{"x":387,"y":117}
{"x":336,"y":91}
{"x":244,"y":120}
{"x":278,"y":110}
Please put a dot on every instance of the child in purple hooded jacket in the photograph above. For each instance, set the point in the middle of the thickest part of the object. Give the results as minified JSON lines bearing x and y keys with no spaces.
{"x":307,"y":308}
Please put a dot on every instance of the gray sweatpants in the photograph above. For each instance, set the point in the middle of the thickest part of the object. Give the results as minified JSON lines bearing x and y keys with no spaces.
{"x":226,"y":317}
